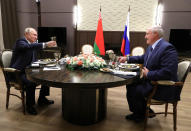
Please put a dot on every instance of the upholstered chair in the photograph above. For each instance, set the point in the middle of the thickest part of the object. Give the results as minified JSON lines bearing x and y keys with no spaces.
{"x":5,"y":60}
{"x":183,"y":69}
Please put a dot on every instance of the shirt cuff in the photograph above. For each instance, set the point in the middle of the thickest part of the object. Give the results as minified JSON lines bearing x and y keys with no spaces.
{"x":44,"y":45}
{"x":127,"y":58}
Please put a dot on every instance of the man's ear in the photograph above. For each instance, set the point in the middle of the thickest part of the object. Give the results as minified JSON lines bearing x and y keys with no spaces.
{"x":156,"y":34}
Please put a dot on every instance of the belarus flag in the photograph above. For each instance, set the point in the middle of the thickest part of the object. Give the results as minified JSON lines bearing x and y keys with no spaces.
{"x":125,"y":46}
{"x":99,"y":47}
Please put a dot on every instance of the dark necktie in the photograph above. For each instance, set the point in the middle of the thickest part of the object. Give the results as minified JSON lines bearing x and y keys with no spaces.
{"x":33,"y":56}
{"x":149,"y":55}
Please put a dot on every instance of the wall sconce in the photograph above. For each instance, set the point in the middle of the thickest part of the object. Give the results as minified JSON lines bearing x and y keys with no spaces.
{"x":75,"y":16}
{"x":159,"y":14}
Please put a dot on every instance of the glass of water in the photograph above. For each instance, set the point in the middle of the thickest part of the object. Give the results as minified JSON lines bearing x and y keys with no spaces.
{"x":57,"y":56}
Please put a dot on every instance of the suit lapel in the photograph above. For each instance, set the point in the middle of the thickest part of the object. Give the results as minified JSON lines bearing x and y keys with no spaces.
{"x":153,"y":52}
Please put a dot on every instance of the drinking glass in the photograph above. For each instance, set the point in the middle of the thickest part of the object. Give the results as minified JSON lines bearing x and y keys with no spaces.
{"x":53,"y":38}
{"x":57,"y":56}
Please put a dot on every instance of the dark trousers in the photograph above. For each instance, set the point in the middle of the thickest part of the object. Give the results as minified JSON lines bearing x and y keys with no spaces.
{"x":30,"y":90}
{"x":136,"y":94}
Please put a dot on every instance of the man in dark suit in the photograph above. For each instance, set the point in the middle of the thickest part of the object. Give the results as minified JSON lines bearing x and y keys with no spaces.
{"x":24,"y":53}
{"x":160,"y":62}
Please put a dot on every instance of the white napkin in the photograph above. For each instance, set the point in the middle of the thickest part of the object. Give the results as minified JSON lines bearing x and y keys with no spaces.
{"x":51,"y":68}
{"x":35,"y":65}
{"x":64,"y":60}
{"x":123,"y":72}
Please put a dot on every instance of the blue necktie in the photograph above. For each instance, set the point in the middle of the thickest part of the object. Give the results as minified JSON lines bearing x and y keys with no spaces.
{"x":149,"y":55}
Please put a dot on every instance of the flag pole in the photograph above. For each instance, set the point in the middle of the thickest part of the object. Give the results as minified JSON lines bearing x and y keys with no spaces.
{"x":129,"y":9}
{"x":100,"y":8}
{"x":128,"y":15}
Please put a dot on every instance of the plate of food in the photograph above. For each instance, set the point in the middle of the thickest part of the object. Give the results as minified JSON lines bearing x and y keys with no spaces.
{"x":44,"y":61}
{"x":129,"y":67}
{"x":105,"y":70}
{"x":50,"y":65}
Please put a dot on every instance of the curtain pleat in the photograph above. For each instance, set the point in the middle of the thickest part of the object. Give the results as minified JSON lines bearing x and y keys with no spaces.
{"x":9,"y":23}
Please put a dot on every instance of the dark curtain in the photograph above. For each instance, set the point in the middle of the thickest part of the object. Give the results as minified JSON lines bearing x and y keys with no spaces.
{"x":9,"y":23}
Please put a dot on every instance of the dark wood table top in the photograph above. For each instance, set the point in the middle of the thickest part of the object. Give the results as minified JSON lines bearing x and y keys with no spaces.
{"x":66,"y":78}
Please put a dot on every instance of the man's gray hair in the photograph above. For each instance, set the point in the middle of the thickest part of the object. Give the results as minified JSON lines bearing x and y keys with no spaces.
{"x":157,"y":29}
{"x":28,"y":30}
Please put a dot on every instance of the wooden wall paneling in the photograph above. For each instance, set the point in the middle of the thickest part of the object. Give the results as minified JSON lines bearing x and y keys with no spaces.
{"x":77,"y":43}
{"x":107,"y":37}
{"x":137,"y":39}
{"x":91,"y":37}
{"x":112,"y":40}
{"x":117,"y":37}
{"x":83,"y":39}
{"x":107,"y":40}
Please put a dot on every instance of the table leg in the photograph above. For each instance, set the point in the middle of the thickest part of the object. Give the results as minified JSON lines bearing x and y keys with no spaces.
{"x":84,"y":106}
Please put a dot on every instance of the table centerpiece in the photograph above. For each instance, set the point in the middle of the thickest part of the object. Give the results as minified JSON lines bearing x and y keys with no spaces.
{"x":85,"y":61}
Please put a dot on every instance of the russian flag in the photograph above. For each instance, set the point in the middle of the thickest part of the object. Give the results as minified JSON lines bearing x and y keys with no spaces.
{"x":125,"y":46}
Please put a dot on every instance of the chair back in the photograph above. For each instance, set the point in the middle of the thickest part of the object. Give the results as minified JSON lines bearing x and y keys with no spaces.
{"x":5,"y":61}
{"x":137,"y":51}
{"x":183,"y":69}
{"x":87,"y":49}
{"x":6,"y":56}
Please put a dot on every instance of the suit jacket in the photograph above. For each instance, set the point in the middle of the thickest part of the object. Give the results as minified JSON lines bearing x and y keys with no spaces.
{"x":162,"y":65}
{"x":24,"y":54}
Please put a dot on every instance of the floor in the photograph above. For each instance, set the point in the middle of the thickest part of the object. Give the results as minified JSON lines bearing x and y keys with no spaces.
{"x":50,"y":118}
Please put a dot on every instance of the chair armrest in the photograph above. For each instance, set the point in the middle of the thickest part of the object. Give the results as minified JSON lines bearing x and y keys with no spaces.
{"x":162,"y":82}
{"x":11,"y":70}
{"x":16,"y":75}
{"x":166,"y":82}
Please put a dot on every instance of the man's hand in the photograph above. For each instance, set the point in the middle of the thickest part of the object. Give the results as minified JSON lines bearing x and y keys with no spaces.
{"x":145,"y":71}
{"x":122,"y":59}
{"x":51,"y":44}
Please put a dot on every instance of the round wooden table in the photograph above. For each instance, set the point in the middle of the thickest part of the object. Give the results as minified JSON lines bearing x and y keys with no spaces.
{"x":84,"y":93}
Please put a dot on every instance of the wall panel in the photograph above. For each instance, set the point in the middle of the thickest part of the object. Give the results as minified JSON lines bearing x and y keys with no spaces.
{"x":112,"y":40}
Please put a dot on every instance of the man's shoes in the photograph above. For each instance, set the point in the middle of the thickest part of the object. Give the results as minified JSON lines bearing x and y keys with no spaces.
{"x":134,"y":117}
{"x":31,"y":110}
{"x":44,"y":101}
{"x":130,"y":117}
{"x":138,"y":117}
{"x":152,"y":113}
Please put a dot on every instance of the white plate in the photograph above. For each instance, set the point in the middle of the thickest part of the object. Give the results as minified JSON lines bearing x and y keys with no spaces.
{"x":50,"y":65}
{"x":44,"y":61}
{"x":129,"y":66}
